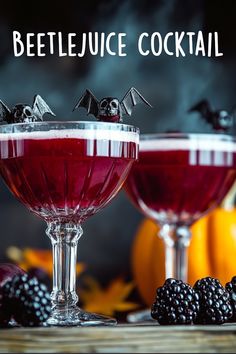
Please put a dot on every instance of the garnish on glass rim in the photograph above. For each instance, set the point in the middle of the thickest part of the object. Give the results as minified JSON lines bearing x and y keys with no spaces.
{"x":24,"y":113}
{"x":110,"y":109}
{"x":221,"y":120}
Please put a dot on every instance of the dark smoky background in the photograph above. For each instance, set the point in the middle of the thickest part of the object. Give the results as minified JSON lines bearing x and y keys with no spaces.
{"x":171,"y":84}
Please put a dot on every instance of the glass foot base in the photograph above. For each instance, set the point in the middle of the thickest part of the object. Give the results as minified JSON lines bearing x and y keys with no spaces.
{"x":140,"y":316}
{"x":78,"y":317}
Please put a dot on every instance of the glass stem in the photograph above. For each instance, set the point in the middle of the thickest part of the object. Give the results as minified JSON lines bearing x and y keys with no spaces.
{"x":176,"y":240}
{"x":64,"y":238}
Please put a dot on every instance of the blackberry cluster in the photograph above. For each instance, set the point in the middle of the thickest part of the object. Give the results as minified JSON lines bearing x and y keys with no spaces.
{"x":215,"y":307}
{"x":208,"y":302}
{"x":26,"y":300}
{"x":176,"y":303}
{"x":5,"y":311}
{"x":231,"y":288}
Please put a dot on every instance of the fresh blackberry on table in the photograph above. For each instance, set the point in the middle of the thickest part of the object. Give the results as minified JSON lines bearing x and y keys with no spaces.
{"x":40,"y":274}
{"x":215,"y":307}
{"x":231,"y":288}
{"x":29,"y":300}
{"x":7,"y":272}
{"x":176,"y":303}
{"x":5,"y":310}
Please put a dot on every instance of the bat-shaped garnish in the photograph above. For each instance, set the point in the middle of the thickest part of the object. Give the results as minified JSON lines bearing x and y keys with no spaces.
{"x":24,"y":113}
{"x":110,"y":109}
{"x":220,"y":120}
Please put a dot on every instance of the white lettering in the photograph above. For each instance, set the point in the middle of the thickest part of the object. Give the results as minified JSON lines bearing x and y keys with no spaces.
{"x":190,"y":41}
{"x":178,"y":39}
{"x":200,"y":47}
{"x":71,"y":45}
{"x":29,"y":45}
{"x":153,"y":47}
{"x":217,"y":53}
{"x":121,"y":45}
{"x":108,"y":48}
{"x":17,"y":43}
{"x":82,"y":52}
{"x":209,"y":49}
{"x":51,"y":41}
{"x":60,"y":46}
{"x":166,"y":45}
{"x":40,"y":45}
{"x":140,"y":42}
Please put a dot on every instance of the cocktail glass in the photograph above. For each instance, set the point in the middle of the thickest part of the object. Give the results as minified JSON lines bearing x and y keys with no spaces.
{"x":65,"y":172}
{"x":178,"y":179}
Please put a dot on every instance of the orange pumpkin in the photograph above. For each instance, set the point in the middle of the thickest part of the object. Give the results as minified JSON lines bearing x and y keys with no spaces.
{"x":212,"y":252}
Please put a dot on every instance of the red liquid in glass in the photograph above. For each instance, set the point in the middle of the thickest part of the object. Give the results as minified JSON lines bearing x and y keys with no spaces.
{"x":178,"y":186}
{"x":66,"y":178}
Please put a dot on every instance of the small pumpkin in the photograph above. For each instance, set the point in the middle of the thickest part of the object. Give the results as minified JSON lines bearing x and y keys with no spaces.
{"x":212,"y":252}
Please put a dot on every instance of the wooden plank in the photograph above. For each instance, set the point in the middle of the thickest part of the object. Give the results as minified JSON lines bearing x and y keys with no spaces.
{"x":120,"y":339}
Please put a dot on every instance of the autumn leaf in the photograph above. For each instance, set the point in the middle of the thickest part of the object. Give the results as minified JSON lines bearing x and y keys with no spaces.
{"x":35,"y":258}
{"x":109,"y":300}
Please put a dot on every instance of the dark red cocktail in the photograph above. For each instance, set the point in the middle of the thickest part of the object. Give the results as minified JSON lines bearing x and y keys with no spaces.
{"x":177,"y":179}
{"x":179,"y":185}
{"x":65,"y":172}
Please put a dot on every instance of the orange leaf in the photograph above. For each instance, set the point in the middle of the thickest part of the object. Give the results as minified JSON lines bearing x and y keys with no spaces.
{"x":36,"y":258}
{"x":109,"y":300}
{"x":39,"y":259}
{"x":126,"y":306}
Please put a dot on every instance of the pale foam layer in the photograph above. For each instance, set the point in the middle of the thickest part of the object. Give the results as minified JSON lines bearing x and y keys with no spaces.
{"x":185,"y":144}
{"x":99,"y":134}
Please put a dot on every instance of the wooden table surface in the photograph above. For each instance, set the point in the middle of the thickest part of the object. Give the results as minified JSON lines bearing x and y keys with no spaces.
{"x":120,"y":339}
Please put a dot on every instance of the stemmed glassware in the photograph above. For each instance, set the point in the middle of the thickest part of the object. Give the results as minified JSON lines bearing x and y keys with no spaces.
{"x":65,"y":172}
{"x":179,"y":178}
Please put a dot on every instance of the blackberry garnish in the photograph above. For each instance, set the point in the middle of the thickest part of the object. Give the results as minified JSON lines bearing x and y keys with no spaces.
{"x":176,"y":303}
{"x":29,"y":300}
{"x":231,"y":288}
{"x":215,"y":307}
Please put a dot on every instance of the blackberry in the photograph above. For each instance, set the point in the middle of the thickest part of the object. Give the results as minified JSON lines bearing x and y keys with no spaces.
{"x":215,"y":307}
{"x":5,"y":310}
{"x":176,"y":303}
{"x":29,"y":300}
{"x":40,"y":274}
{"x":231,"y":288}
